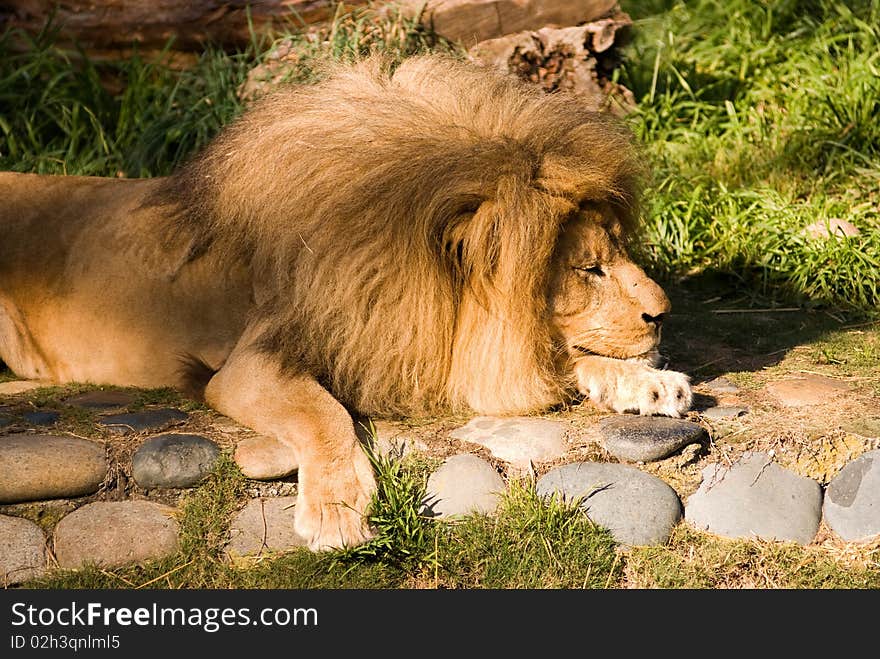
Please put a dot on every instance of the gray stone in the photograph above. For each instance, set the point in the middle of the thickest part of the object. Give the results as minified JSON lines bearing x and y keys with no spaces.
{"x":144,"y":421}
{"x":756,"y":498}
{"x":638,"y":508}
{"x":647,"y":438}
{"x":41,"y":417}
{"x":721,"y":385}
{"x":101,"y":400}
{"x":808,"y":389}
{"x":34,"y":467}
{"x":22,"y":550}
{"x":265,"y":458}
{"x":852,"y":500}
{"x":173,"y":460}
{"x":724,"y":412}
{"x":462,"y":485}
{"x":111,"y":534}
{"x":264,"y":525}
{"x":518,"y":440}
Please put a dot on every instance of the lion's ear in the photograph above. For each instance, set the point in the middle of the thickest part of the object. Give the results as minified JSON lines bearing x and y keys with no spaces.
{"x":455,"y":235}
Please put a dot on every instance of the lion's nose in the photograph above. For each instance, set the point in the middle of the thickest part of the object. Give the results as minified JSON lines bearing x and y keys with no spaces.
{"x":654,"y":320}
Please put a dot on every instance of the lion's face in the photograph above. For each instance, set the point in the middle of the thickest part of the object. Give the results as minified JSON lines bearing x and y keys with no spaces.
{"x":601,"y":302}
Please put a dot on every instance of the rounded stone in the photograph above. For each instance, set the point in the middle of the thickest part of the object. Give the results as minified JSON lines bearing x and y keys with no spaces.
{"x":264,"y":525}
{"x":518,"y":440}
{"x":143,"y":421}
{"x":647,"y":438}
{"x":724,"y":412}
{"x":22,"y":550}
{"x":394,"y":442}
{"x":101,"y":400}
{"x":638,"y":508}
{"x":265,"y":458}
{"x":808,"y":389}
{"x":852,"y":500}
{"x":463,"y":484}
{"x":20,"y":386}
{"x":41,"y":417}
{"x":756,"y":498}
{"x":112,"y":534}
{"x":721,"y":385}
{"x":34,"y":467}
{"x":173,"y":460}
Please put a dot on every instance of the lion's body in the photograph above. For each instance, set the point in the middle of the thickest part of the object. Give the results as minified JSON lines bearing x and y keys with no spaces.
{"x":443,"y":238}
{"x":90,"y":291}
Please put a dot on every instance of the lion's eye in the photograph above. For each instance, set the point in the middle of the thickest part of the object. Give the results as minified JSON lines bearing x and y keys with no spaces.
{"x":590,"y":270}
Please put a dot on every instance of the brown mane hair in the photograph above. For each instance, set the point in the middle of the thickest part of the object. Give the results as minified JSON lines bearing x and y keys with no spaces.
{"x":400,"y":227}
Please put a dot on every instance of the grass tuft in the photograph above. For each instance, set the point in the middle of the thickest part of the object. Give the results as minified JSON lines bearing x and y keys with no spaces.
{"x":402,"y":533}
{"x":530,"y":543}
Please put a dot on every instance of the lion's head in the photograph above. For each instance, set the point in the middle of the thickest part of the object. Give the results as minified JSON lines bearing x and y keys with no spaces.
{"x":600,"y":301}
{"x":440,"y":235}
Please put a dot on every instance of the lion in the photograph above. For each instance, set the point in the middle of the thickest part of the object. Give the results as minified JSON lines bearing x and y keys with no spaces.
{"x":408,"y":240}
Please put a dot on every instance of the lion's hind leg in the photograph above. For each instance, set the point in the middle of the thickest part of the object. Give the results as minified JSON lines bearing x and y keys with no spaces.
{"x":335,"y":476}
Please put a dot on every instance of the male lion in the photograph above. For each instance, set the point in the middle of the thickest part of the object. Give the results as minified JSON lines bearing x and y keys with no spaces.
{"x":438,"y":238}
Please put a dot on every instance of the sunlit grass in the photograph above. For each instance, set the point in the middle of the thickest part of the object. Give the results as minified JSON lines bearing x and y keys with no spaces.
{"x":761,"y":119}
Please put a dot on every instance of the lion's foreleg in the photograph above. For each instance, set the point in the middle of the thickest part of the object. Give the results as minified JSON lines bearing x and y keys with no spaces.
{"x":625,"y":386}
{"x":335,"y":476}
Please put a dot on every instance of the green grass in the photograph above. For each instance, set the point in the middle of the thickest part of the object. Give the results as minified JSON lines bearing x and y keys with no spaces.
{"x":529,"y":543}
{"x":352,"y":34}
{"x":761,"y":118}
{"x":700,"y":560}
{"x":57,"y":117}
{"x":60,"y":115}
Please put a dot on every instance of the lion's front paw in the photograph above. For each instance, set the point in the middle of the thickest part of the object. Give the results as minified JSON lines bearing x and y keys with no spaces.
{"x":637,"y":389}
{"x":331,"y":513}
{"x":331,"y":525}
{"x":656,"y":392}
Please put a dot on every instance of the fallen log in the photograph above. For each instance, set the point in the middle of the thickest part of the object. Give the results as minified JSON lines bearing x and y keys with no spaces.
{"x":105,"y":27}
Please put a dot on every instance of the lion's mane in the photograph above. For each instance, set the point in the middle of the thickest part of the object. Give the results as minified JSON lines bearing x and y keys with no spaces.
{"x":400,"y":226}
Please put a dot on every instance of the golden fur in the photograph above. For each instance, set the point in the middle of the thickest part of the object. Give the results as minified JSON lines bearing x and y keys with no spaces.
{"x":437,"y":237}
{"x":405,"y":224}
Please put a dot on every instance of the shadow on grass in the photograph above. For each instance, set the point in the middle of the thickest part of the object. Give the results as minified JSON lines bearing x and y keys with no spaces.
{"x":716,"y":327}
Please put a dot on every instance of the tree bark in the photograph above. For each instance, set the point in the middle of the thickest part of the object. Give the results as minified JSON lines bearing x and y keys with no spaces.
{"x":473,"y":21}
{"x":115,"y":25}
